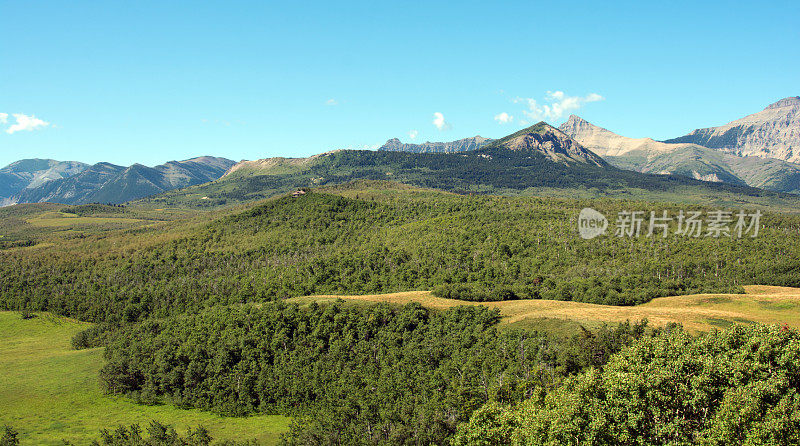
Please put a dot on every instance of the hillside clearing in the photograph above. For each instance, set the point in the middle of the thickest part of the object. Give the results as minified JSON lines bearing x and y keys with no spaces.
{"x":697,"y":312}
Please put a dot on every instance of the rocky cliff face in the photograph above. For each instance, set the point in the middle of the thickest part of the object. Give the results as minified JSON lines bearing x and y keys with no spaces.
{"x":691,"y":160}
{"x":607,"y":143}
{"x":771,"y":133}
{"x":461,"y":145}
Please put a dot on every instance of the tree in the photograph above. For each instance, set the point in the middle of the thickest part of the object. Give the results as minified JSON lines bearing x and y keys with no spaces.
{"x":9,"y":437}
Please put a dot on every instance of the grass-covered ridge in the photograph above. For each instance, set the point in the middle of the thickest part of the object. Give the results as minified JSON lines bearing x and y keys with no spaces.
{"x":696,"y":313}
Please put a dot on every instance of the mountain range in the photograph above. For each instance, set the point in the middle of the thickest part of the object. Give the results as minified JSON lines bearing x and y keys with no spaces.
{"x":759,"y":150}
{"x":461,"y":145}
{"x":32,"y":181}
{"x":756,"y":150}
{"x":539,"y":160}
{"x":578,"y":158}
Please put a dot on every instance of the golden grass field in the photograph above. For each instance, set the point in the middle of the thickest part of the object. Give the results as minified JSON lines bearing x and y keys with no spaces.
{"x":697,"y":313}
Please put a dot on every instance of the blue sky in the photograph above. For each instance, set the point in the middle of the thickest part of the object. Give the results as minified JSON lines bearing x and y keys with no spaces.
{"x":154,"y":81}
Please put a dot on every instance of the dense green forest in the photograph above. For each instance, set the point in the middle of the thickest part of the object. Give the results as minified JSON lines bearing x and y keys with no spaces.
{"x":738,"y":386}
{"x":360,"y":242}
{"x":352,"y":375}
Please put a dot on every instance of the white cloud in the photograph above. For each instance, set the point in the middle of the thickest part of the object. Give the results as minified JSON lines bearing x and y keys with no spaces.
{"x":503,"y":118}
{"x":556,"y":105}
{"x":413,"y":134}
{"x":3,"y":118}
{"x":439,"y":122}
{"x":25,"y":122}
{"x":594,"y":97}
{"x":331,"y":101}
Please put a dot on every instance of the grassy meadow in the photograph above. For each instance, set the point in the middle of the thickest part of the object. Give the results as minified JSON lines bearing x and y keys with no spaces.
{"x":50,"y":392}
{"x":697,"y":313}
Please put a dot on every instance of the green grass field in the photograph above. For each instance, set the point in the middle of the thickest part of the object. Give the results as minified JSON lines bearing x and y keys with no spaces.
{"x":50,"y":392}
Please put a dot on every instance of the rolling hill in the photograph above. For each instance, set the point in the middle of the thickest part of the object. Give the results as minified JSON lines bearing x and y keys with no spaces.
{"x":368,"y":237}
{"x":187,"y":305}
{"x":696,"y":313}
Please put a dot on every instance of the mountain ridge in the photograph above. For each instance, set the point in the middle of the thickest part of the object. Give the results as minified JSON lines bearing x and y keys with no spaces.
{"x":691,"y":160}
{"x":539,"y":160}
{"x":109,"y":183}
{"x":33,"y":172}
{"x":774,"y":132}
{"x":460,"y":145}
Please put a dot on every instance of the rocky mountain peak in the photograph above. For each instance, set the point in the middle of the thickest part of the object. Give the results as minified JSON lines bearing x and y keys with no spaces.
{"x":577,"y":127}
{"x":791,"y":101}
{"x":575,"y":120}
{"x":552,"y":143}
{"x":392,"y":144}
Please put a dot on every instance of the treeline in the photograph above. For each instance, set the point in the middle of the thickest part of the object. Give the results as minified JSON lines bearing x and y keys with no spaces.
{"x":350,"y":374}
{"x":739,"y":386}
{"x":471,"y":248}
{"x":95,"y":209}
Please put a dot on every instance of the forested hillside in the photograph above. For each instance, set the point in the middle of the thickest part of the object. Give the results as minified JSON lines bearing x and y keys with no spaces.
{"x":191,"y":305}
{"x":373,"y":240}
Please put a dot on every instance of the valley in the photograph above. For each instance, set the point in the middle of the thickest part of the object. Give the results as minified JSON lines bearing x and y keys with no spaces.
{"x":399,"y":224}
